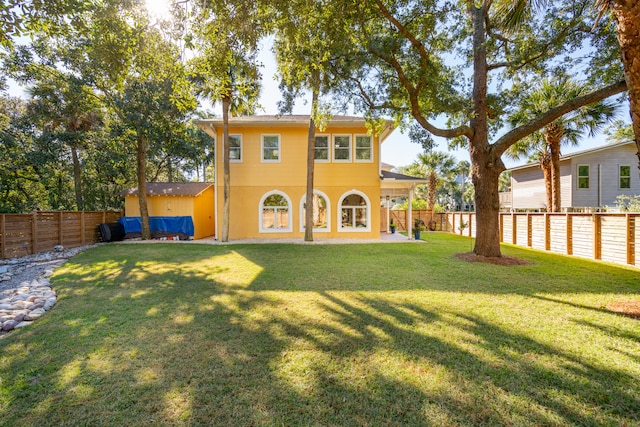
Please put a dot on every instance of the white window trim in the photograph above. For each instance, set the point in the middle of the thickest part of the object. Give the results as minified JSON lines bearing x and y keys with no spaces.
{"x":260,"y":212}
{"x":241,"y":150}
{"x":339,"y":217}
{"x":625,"y":176}
{"x":355,"y":149}
{"x":578,"y":176}
{"x":329,"y":150}
{"x":326,"y":199}
{"x":262,"y":159}
{"x":333,"y":148}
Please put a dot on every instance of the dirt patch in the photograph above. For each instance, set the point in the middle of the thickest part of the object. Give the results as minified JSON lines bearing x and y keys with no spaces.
{"x":508,"y":261}
{"x":628,"y":308}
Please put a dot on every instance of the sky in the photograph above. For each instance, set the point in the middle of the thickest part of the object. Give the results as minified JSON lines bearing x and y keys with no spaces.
{"x":397,"y":149}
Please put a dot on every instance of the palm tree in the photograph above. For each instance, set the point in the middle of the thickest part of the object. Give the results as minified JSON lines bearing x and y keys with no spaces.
{"x":69,"y":112}
{"x":436,"y":167}
{"x":626,"y":14}
{"x":569,"y":129}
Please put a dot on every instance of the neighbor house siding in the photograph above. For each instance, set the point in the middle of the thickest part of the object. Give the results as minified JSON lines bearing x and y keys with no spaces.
{"x":528,"y":189}
{"x":604,"y":185}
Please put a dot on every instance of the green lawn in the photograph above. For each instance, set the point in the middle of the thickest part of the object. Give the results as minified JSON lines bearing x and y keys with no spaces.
{"x":326,"y":335}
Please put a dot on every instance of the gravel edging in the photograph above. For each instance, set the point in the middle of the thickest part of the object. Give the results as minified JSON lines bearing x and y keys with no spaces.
{"x":25,"y":290}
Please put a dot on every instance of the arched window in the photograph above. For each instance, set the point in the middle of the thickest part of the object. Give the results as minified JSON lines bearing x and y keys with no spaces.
{"x":321,"y":209}
{"x":355,"y":214}
{"x":275,"y":212}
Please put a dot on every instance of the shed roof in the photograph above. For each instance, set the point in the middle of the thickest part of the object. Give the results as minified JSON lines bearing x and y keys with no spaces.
{"x":170,"y":189}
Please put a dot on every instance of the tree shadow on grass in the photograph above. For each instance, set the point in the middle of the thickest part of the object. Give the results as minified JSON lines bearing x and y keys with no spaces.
{"x":191,"y":344}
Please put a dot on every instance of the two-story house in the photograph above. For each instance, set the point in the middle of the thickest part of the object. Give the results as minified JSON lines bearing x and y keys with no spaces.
{"x":590,"y":178}
{"x":268,"y":171}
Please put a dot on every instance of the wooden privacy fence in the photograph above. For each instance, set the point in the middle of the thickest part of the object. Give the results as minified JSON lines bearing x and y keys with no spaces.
{"x":608,"y":237}
{"x":401,"y":218}
{"x":23,"y":234}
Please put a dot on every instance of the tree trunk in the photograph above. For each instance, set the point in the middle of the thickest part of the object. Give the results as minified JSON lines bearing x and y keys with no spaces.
{"x":226,"y":102}
{"x":486,"y":165}
{"x":432,"y":190}
{"x":545,"y":165}
{"x":77,"y":178}
{"x":627,"y":16}
{"x":554,"y":147}
{"x":141,"y":157}
{"x":311,"y":142}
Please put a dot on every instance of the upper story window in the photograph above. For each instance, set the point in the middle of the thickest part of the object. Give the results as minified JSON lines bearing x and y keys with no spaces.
{"x":322,"y":148}
{"x":270,"y":148}
{"x":342,"y":148}
{"x":624,"y":177}
{"x":583,"y":177}
{"x":364,"y":151}
{"x":275,"y":212}
{"x":235,"y":148}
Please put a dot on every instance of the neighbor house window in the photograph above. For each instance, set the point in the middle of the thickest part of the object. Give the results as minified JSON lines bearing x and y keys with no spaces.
{"x":275,"y":212}
{"x":583,"y":177}
{"x":364,"y":153}
{"x":320,"y":212}
{"x":342,"y":148}
{"x":354,"y":212}
{"x":321,"y":148}
{"x":270,"y":148}
{"x":235,"y":148}
{"x":625,"y":177}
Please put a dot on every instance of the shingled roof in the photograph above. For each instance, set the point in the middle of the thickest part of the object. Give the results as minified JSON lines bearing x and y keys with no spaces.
{"x":170,"y":189}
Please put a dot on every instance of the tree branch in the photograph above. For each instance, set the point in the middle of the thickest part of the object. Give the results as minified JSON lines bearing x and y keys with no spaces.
{"x":513,"y":136}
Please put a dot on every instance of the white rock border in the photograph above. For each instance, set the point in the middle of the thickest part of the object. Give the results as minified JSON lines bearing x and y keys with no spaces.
{"x":21,"y":305}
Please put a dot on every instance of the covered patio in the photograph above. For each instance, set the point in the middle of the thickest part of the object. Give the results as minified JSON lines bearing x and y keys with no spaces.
{"x":396,"y":185}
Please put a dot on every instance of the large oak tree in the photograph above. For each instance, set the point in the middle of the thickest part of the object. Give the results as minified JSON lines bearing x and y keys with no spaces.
{"x":431,"y":60}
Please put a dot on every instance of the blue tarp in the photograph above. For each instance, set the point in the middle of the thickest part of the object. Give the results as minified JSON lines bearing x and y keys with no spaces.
{"x":171,"y":224}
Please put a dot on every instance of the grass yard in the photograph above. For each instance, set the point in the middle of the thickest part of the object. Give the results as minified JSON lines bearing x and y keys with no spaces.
{"x":326,"y":335}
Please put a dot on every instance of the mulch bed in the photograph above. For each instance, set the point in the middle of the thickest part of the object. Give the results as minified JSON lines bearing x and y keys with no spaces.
{"x":628,"y":308}
{"x":508,"y":261}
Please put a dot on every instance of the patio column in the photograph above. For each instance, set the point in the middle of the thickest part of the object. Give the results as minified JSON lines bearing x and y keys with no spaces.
{"x":410,"y":219}
{"x":388,"y":218}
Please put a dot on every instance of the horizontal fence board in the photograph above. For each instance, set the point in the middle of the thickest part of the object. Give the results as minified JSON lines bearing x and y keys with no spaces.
{"x":69,"y":229}
{"x":557,"y":234}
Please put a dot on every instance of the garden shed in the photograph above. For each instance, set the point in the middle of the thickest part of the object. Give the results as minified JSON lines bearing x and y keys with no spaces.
{"x":165,"y":199}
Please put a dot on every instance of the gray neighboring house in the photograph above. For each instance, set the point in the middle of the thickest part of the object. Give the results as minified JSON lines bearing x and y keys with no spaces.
{"x":588,"y":179}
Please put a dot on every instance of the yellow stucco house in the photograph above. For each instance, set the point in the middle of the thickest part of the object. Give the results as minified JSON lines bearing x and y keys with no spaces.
{"x":268,"y":177}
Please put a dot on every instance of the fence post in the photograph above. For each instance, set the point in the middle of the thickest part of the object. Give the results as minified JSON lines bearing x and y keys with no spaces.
{"x":529,"y":230}
{"x":597,"y":243}
{"x":631,"y":244}
{"x":60,"y":225}
{"x":501,"y":226}
{"x":514,"y":229}
{"x":3,"y":248}
{"x":569,"y":236}
{"x":34,"y":233}
{"x":82,"y":233}
{"x":547,"y":232}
